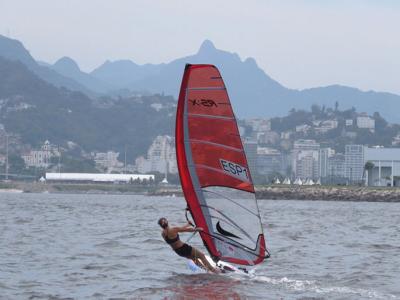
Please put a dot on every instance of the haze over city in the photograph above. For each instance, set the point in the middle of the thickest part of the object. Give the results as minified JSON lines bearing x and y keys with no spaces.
{"x":301,"y":44}
{"x":175,"y":149}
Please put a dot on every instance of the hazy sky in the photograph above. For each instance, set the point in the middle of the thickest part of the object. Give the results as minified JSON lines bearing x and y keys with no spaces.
{"x":301,"y":44}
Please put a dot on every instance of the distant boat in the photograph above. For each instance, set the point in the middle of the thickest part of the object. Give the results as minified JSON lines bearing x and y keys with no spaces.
{"x":277,"y":181}
{"x":287,"y":181}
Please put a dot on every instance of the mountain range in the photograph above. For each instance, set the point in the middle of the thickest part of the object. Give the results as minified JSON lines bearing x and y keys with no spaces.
{"x":252,"y":92}
{"x":34,"y":111}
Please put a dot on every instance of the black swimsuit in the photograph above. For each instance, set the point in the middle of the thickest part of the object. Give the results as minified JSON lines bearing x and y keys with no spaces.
{"x":171,"y":241}
{"x":185,"y":250}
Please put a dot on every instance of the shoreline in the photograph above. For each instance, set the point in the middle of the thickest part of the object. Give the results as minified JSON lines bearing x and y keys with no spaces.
{"x":271,"y":192}
{"x":329,"y":193}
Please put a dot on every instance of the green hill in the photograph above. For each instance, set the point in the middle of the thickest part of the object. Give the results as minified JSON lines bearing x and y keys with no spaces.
{"x":38,"y":111}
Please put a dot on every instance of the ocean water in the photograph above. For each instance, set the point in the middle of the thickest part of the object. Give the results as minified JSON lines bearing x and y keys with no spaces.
{"x":55,"y":246}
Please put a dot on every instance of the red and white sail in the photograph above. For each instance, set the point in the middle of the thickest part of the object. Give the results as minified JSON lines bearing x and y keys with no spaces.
{"x":213,"y":169}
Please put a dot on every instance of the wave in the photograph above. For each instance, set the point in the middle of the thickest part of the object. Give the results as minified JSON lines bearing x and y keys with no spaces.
{"x":314,"y":286}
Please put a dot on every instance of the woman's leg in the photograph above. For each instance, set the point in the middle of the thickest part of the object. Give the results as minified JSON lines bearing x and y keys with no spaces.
{"x":198,"y":255}
{"x":198,"y":262}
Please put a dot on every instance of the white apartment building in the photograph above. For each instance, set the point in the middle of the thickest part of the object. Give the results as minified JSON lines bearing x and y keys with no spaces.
{"x":305,"y":159}
{"x":161,"y":157}
{"x":396,"y":140}
{"x":365,"y":121}
{"x":327,"y":125}
{"x":41,"y":158}
{"x":304,"y":128}
{"x":107,"y":160}
{"x":258,"y":124}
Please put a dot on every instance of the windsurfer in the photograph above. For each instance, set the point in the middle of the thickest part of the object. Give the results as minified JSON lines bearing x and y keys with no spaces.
{"x":171,"y":236}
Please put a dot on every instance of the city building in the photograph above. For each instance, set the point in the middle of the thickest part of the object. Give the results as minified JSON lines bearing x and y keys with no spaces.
{"x":250,"y":148}
{"x":336,"y":169}
{"x":41,"y":158}
{"x":270,"y":161}
{"x":304,"y":128}
{"x":365,"y":121}
{"x":325,"y":126}
{"x":307,"y":166}
{"x":258,"y":124}
{"x":385,"y":169}
{"x":161,"y":157}
{"x":305,"y":159}
{"x":354,"y":163}
{"x":107,"y":160}
{"x":305,"y":145}
{"x":286,"y":135}
{"x":268,"y":137}
{"x":324,"y":155}
{"x":396,"y":140}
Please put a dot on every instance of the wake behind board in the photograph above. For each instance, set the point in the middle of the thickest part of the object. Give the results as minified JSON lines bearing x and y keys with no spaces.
{"x":223,"y":266}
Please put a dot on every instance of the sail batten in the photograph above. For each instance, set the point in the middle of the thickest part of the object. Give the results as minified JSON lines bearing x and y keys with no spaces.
{"x":213,"y":168}
{"x":211,"y":116}
{"x":215,"y":144}
{"x":207,"y":89}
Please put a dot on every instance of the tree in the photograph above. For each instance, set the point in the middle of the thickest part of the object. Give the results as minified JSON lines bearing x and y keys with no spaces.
{"x":16,"y":164}
{"x":380,"y":123}
{"x":316,"y":110}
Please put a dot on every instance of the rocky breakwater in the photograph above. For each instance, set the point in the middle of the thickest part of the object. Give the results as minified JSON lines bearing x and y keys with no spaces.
{"x":331,"y":193}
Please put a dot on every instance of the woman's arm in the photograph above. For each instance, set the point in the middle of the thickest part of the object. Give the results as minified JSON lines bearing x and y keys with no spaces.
{"x":186,"y":228}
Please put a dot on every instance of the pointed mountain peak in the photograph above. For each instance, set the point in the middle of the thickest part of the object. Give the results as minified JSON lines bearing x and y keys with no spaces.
{"x":67,"y":63}
{"x":207,"y":46}
{"x":251,"y":62}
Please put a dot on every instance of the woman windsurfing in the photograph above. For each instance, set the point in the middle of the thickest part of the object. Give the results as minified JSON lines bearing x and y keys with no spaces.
{"x":171,"y":237}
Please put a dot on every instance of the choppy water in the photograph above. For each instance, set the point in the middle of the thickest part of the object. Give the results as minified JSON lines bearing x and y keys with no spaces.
{"x":102,"y":246}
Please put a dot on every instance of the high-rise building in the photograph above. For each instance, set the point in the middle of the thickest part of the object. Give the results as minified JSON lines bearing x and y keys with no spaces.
{"x":354,"y":163}
{"x":307,"y":166}
{"x":324,"y":154}
{"x":161,"y":157}
{"x":250,"y":148}
{"x":269,"y":161}
{"x":336,"y":168}
{"x":305,"y":161}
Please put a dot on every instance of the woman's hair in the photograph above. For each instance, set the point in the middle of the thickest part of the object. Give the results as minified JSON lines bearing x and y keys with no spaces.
{"x":163,"y":222}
